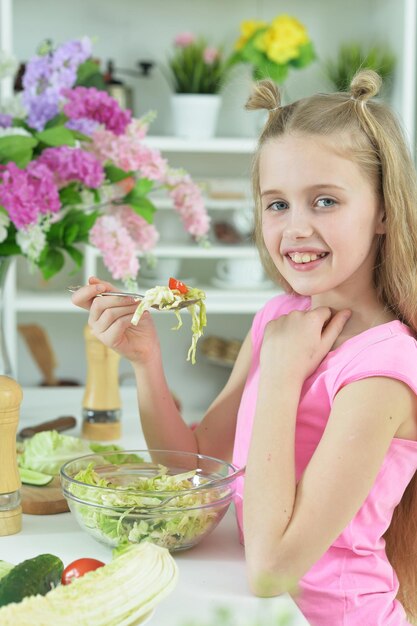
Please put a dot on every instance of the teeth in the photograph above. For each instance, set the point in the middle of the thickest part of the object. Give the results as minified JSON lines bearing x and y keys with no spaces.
{"x":305,"y":257}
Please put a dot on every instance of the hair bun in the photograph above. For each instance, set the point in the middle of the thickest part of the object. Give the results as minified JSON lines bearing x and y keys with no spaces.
{"x":265,"y":95}
{"x":365,"y":84}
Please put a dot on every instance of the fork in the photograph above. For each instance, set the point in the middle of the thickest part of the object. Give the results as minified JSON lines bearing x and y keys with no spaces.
{"x":181,"y":305}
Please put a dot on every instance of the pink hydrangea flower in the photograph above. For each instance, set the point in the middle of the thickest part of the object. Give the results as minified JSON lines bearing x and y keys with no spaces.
{"x":73,"y":164}
{"x":210,"y":55}
{"x":188,"y":201}
{"x":28,"y":193}
{"x":129,"y":152}
{"x":117,"y":247}
{"x":183,"y":40}
{"x":143,"y":234}
{"x":92,"y":104}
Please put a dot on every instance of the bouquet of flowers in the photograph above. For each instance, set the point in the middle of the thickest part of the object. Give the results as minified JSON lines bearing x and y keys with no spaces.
{"x":196,"y":67}
{"x":272,"y":49}
{"x":74,"y":168}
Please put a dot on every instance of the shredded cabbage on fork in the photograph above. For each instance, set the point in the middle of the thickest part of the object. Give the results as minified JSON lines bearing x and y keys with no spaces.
{"x":166,"y":298}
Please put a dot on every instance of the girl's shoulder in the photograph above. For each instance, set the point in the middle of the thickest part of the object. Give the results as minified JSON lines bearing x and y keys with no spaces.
{"x":387,"y":350}
{"x":278,"y":305}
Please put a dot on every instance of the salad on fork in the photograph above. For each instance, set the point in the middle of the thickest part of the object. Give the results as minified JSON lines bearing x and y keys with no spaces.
{"x":173,"y":297}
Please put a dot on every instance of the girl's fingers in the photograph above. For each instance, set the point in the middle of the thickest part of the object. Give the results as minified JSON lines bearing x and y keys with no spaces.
{"x":114,"y":333}
{"x":335,"y":326}
{"x":104,"y":314}
{"x":84,"y":297}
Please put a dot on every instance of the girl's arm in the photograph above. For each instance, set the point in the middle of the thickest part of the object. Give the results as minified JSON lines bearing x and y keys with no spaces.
{"x":163,"y":426}
{"x":162,"y":423}
{"x":289,"y":526}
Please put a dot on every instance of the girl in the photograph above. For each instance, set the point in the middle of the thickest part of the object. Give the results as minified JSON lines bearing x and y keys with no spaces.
{"x":321,"y":404}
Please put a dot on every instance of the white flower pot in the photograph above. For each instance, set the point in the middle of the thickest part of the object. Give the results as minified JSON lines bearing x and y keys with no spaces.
{"x":195,"y":115}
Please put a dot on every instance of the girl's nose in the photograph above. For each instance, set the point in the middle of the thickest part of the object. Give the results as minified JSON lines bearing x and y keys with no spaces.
{"x":298,"y":224}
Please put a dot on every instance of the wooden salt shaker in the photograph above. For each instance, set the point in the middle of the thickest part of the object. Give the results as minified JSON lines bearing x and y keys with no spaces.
{"x":10,"y":510}
{"x":101,"y":403}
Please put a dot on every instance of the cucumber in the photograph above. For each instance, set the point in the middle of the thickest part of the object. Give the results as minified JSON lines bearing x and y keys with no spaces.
{"x":30,"y":477}
{"x":31,"y":577}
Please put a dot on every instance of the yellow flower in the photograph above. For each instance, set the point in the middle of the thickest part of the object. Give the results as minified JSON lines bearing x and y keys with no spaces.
{"x":282,"y":40}
{"x":247,"y":28}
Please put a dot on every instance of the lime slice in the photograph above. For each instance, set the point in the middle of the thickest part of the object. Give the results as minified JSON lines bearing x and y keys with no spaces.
{"x":30,"y":477}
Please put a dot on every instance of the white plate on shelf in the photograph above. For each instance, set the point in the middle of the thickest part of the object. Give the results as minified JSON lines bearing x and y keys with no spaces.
{"x":226,"y":284}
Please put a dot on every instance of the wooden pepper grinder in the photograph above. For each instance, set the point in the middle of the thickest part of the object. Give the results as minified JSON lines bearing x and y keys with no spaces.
{"x":101,"y":403}
{"x":10,"y":510}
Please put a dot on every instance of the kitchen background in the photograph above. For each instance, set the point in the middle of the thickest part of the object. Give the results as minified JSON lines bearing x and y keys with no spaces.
{"x":130,"y":31}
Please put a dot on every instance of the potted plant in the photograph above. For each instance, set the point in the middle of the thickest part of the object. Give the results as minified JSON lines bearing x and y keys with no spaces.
{"x":354,"y":56}
{"x":197,"y":74}
{"x":272,"y":49}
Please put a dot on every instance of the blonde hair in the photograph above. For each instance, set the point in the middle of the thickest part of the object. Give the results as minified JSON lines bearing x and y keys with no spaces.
{"x":369,"y":134}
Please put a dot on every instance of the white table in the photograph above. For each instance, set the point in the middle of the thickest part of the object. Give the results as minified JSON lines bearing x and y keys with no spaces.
{"x":211,"y":575}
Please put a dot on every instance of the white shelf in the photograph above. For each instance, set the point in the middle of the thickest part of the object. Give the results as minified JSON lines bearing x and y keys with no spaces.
{"x":230,"y":145}
{"x":210,"y":203}
{"x":194,"y":251}
{"x":218,"y":301}
{"x":52,"y":302}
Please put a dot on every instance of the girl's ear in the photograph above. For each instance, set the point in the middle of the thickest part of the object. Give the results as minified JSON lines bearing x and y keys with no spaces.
{"x":381,"y":219}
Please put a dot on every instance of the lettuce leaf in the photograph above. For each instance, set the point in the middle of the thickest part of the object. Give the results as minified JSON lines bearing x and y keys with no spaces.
{"x":47,"y":452}
{"x":124,"y":591}
{"x":164,"y":509}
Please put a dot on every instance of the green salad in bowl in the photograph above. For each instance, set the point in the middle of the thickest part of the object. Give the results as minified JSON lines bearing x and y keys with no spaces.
{"x":172,"y":499}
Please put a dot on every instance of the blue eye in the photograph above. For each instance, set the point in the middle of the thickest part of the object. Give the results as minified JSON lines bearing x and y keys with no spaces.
{"x":326,"y":202}
{"x":280,"y":205}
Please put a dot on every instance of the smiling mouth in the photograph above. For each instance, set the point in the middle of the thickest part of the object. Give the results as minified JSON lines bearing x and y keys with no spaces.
{"x":305,"y":257}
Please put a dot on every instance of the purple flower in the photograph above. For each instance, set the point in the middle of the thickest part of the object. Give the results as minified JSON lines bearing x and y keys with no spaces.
{"x":41,"y":109}
{"x":45,"y":78}
{"x":37,"y":74}
{"x":72,"y":53}
{"x":73,"y":164}
{"x":25,"y":194}
{"x":90,"y":103}
{"x":83,"y":125}
{"x":5,"y":120}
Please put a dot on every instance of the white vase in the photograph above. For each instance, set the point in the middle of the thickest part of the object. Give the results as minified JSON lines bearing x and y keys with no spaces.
{"x":195,"y":115}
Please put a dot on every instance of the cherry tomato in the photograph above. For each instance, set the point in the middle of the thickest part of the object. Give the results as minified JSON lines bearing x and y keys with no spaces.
{"x":78,"y":568}
{"x":177,"y":284}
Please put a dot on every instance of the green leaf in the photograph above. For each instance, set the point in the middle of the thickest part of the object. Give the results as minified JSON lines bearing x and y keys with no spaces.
{"x":57,"y":136}
{"x":115,"y":174}
{"x":143,"y":186}
{"x":55,"y":235}
{"x":70,"y":195}
{"x":80,"y":136}
{"x":71,"y":234}
{"x":9,"y":248}
{"x":143,"y":207}
{"x":269,"y":69}
{"x":89,"y":75}
{"x":51,"y":262}
{"x":17,"y":148}
{"x":75,"y":255}
{"x":87,"y":224}
{"x":306,"y":56}
{"x":58,"y":120}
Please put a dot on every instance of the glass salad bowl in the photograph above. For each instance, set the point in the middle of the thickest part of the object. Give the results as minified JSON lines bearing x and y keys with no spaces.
{"x":173,"y":499}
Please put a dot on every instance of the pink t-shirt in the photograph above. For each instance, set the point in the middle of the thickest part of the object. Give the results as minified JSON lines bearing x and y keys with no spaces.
{"x":353,"y":584}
